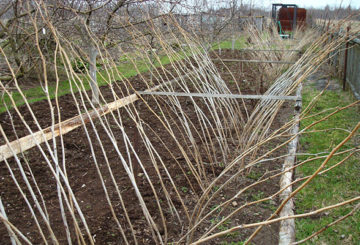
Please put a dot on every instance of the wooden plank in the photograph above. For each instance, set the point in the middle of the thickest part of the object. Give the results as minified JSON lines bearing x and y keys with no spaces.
{"x":25,"y":143}
{"x":226,"y":96}
{"x":256,"y":61}
{"x":287,"y":226}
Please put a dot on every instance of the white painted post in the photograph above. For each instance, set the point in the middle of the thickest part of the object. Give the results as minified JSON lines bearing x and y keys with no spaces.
{"x":93,"y":53}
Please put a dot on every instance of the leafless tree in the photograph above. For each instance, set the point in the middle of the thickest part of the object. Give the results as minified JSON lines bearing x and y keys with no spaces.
{"x":90,"y":25}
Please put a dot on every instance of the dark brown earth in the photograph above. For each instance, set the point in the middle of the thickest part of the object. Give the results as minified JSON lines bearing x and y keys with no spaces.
{"x":85,"y":181}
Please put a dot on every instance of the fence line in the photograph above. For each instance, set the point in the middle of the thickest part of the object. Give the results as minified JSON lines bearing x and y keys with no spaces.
{"x":346,"y":60}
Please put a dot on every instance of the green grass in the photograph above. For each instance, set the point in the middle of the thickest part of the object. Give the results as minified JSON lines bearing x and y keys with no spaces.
{"x":240,"y":43}
{"x":335,"y":186}
{"x":233,"y":243}
{"x":35,"y":94}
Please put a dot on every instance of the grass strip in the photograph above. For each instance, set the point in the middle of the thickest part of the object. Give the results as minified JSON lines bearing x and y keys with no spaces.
{"x":336,"y":185}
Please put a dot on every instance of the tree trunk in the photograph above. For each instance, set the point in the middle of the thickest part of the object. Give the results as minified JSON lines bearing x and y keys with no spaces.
{"x":93,"y":53}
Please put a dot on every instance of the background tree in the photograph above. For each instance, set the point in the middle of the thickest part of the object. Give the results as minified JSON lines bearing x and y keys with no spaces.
{"x":90,"y":25}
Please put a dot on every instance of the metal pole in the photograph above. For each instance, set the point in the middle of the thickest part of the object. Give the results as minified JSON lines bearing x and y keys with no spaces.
{"x":271,"y":50}
{"x":224,"y":96}
{"x":255,"y":61}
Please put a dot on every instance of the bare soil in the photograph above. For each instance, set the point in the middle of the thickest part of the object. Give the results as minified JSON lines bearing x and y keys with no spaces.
{"x":85,"y":181}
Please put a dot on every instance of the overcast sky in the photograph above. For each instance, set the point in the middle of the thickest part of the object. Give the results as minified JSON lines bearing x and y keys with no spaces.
{"x":311,"y":3}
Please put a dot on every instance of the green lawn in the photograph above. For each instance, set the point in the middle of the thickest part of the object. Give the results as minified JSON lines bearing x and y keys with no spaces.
{"x":240,"y":43}
{"x":341,"y":183}
{"x":126,"y":69}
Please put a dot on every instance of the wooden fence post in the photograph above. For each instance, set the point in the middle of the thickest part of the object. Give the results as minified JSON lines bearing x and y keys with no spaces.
{"x":345,"y":57}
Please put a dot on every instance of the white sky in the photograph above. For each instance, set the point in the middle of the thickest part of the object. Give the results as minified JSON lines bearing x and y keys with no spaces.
{"x":266,"y":4}
{"x":310,"y":3}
